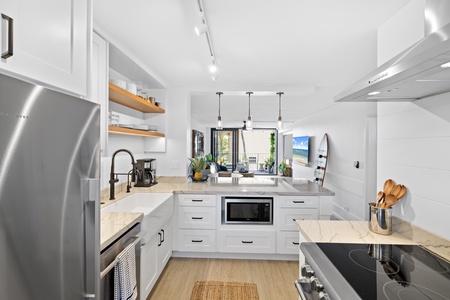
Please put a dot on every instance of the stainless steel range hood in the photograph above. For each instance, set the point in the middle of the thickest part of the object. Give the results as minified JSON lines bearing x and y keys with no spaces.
{"x":421,"y":71}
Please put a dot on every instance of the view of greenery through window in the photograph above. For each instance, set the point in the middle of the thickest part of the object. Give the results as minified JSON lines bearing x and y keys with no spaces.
{"x":242,"y":150}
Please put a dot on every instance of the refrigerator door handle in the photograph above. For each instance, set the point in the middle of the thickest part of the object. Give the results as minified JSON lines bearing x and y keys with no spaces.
{"x":93,"y":189}
{"x":91,"y":194}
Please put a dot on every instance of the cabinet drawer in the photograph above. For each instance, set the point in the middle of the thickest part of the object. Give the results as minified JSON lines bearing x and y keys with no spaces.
{"x":287,"y":217}
{"x":196,"y":200}
{"x":247,"y":242}
{"x":299,"y":201}
{"x":197,"y":217}
{"x":197,"y":240}
{"x":288,"y":242}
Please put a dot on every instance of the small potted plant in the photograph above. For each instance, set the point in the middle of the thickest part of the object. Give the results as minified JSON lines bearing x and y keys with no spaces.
{"x":282,"y":168}
{"x":198,"y":165}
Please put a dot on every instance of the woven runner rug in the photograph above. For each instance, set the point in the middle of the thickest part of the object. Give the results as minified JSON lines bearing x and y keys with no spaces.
{"x":219,"y":290}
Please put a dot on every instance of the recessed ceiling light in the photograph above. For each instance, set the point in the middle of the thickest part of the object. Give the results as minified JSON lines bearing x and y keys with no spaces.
{"x":373,"y":93}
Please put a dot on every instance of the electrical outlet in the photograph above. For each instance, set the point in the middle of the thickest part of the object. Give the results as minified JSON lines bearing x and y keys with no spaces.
{"x":175,"y":165}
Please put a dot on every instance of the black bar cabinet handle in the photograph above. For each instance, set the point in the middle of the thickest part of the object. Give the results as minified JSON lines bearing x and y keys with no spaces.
{"x":197,"y":218}
{"x":160,"y":241}
{"x":298,"y":201}
{"x":295,"y":243}
{"x":197,"y":200}
{"x":247,"y":242}
{"x":163,"y":235}
{"x":10,"y":51}
{"x":197,"y":241}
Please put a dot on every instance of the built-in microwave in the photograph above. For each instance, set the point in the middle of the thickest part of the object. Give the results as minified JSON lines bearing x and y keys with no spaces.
{"x":247,"y":210}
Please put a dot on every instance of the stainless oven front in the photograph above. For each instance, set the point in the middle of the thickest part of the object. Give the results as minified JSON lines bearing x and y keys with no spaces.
{"x":247,"y":210}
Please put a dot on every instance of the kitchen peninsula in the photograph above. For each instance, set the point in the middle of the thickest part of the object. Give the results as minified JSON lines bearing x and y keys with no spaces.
{"x":293,"y":199}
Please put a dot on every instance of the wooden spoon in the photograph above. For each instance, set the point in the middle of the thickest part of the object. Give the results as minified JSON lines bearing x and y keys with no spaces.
{"x":380,"y":198}
{"x":402,"y":192}
{"x":389,"y":200}
{"x":396,"y":190}
{"x":388,"y":185}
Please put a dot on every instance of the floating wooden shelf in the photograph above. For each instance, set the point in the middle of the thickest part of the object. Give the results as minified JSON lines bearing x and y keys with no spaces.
{"x":128,"y":131}
{"x":123,"y":97}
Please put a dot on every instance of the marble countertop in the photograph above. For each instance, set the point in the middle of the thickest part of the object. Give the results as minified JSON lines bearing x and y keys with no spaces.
{"x":114,"y":224}
{"x":282,"y":186}
{"x":358,"y":232}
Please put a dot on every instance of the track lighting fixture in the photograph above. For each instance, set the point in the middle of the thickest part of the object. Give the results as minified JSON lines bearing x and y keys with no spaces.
{"x":280,"y":119}
{"x":249,"y":123}
{"x":200,"y":28}
{"x":219,"y":117}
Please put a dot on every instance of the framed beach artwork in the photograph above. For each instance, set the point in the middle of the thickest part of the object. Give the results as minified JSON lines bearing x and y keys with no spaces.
{"x":300,"y":149}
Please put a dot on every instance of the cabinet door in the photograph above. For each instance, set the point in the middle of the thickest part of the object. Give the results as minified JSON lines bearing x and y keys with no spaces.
{"x":149,"y":267}
{"x":98,"y":91}
{"x":197,"y":240}
{"x":289,"y":215}
{"x":246,"y":241}
{"x":197,"y":217}
{"x":50,"y":42}
{"x":196,"y":200}
{"x":288,"y":242}
{"x":165,"y":246}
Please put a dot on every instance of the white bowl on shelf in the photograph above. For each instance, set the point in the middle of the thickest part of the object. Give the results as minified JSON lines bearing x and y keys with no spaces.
{"x":120,"y":83}
{"x":132,"y":88}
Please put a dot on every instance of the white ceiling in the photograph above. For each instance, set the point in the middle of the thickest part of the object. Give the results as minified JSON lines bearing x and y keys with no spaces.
{"x":309,"y":49}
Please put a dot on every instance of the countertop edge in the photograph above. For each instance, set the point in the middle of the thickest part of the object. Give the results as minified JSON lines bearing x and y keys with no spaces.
{"x":136,"y":218}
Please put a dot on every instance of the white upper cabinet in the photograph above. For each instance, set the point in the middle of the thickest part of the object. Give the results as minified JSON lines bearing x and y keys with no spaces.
{"x":49,"y":41}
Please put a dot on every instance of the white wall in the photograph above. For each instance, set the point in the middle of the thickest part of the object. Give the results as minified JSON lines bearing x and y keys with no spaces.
{"x":414,"y":139}
{"x":413,"y":147}
{"x":345,"y":124}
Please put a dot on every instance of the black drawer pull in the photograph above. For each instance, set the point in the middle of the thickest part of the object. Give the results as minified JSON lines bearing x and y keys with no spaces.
{"x":197,"y":241}
{"x":160,"y":241}
{"x":163,"y":235}
{"x":295,"y":243}
{"x":197,"y":218}
{"x":294,"y":220}
{"x":197,"y":200}
{"x":247,"y":242}
{"x":298,"y":201}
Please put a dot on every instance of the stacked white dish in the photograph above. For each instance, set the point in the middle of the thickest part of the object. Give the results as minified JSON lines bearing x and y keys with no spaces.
{"x":120,"y":83}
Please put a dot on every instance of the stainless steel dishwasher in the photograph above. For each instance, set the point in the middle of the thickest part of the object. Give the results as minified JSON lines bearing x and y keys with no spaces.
{"x":108,"y":260}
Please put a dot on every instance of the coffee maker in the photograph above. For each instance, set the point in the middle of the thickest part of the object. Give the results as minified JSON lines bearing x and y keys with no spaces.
{"x":145,"y":172}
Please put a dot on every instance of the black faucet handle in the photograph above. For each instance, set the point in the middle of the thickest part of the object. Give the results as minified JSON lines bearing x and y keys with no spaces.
{"x":114,"y":180}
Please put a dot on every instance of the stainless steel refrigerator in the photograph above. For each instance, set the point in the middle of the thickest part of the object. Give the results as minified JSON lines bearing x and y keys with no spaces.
{"x":49,"y":192}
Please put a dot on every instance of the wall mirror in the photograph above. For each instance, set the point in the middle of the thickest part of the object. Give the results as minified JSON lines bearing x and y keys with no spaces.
{"x":198,"y":147}
{"x":321,"y":161}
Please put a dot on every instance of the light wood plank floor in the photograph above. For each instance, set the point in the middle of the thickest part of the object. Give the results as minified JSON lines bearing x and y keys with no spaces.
{"x":274,"y":279}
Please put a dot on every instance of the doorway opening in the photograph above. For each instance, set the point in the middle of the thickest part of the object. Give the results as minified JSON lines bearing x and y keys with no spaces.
{"x":246,"y":150}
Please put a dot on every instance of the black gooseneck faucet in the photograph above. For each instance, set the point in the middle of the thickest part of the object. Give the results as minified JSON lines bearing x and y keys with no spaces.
{"x":113,"y":176}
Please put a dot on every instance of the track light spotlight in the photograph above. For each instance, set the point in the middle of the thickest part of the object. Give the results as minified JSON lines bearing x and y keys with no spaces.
{"x":200,"y":28}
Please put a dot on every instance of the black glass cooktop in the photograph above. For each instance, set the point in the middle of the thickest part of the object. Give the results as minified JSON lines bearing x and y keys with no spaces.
{"x":390,"y":271}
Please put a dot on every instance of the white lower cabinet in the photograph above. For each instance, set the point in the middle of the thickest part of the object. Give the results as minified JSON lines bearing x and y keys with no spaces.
{"x":149,"y":267}
{"x":289,"y":209}
{"x":197,"y":240}
{"x":196,"y":223}
{"x":154,"y":256}
{"x":240,"y":241}
{"x":288,"y":242}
